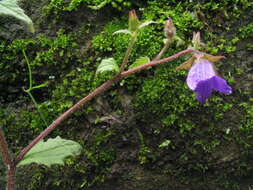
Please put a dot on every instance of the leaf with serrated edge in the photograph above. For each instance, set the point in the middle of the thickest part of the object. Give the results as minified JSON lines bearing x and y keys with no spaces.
{"x":140,"y":61}
{"x":106,"y":65}
{"x":11,"y":8}
{"x":52,"y":151}
{"x":146,"y":24}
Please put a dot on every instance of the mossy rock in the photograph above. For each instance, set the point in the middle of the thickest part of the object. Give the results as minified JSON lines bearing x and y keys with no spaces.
{"x":148,"y":131}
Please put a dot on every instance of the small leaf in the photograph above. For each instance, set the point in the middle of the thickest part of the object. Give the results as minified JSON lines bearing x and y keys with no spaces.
{"x":146,"y":24}
{"x":52,"y":151}
{"x":11,"y":8}
{"x":123,"y":31}
{"x":140,"y":61}
{"x":107,"y":65}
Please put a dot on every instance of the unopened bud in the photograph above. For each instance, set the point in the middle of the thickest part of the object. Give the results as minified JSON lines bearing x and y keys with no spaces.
{"x":169,"y":28}
{"x":196,"y":39}
{"x":133,"y":21}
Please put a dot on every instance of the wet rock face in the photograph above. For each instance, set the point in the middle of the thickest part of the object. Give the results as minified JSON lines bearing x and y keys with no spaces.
{"x":243,"y":58}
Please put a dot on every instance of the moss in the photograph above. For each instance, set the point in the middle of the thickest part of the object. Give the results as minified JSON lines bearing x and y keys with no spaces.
{"x":178,"y":138}
{"x":175,"y":114}
{"x":46,"y":56}
{"x":56,"y":6}
{"x":246,"y":31}
{"x":246,"y":124}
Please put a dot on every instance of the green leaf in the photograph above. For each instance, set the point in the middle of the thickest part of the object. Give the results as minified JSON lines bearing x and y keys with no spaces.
{"x":11,"y":8}
{"x":107,"y":65}
{"x":140,"y":61}
{"x":52,"y":151}
{"x":146,"y":24}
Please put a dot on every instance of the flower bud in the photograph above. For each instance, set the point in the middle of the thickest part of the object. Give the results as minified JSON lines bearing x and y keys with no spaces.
{"x":133,"y":21}
{"x":196,"y":41}
{"x":169,"y":29}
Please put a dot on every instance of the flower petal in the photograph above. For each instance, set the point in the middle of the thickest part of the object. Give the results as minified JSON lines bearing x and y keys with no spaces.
{"x":203,"y":91}
{"x":220,"y":84}
{"x":200,"y":71}
{"x":204,"y":88}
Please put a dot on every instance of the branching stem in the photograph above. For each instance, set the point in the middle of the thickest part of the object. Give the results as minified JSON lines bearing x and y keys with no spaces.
{"x":93,"y":94}
{"x":28,"y":91}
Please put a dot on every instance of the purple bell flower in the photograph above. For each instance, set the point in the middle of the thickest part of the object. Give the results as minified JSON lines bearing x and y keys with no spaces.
{"x":203,"y":78}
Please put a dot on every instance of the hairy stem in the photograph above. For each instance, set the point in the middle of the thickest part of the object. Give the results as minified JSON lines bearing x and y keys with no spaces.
{"x":11,"y":177}
{"x":157,"y":62}
{"x":65,"y":115}
{"x":128,"y":52}
{"x":4,"y":149}
{"x":90,"y":96}
{"x":7,"y":161}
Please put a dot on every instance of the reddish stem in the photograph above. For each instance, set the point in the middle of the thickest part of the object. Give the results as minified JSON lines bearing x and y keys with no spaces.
{"x":5,"y":150}
{"x":8,"y":162}
{"x":11,"y":177}
{"x":66,"y":114}
{"x":153,"y":63}
{"x":90,"y":96}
